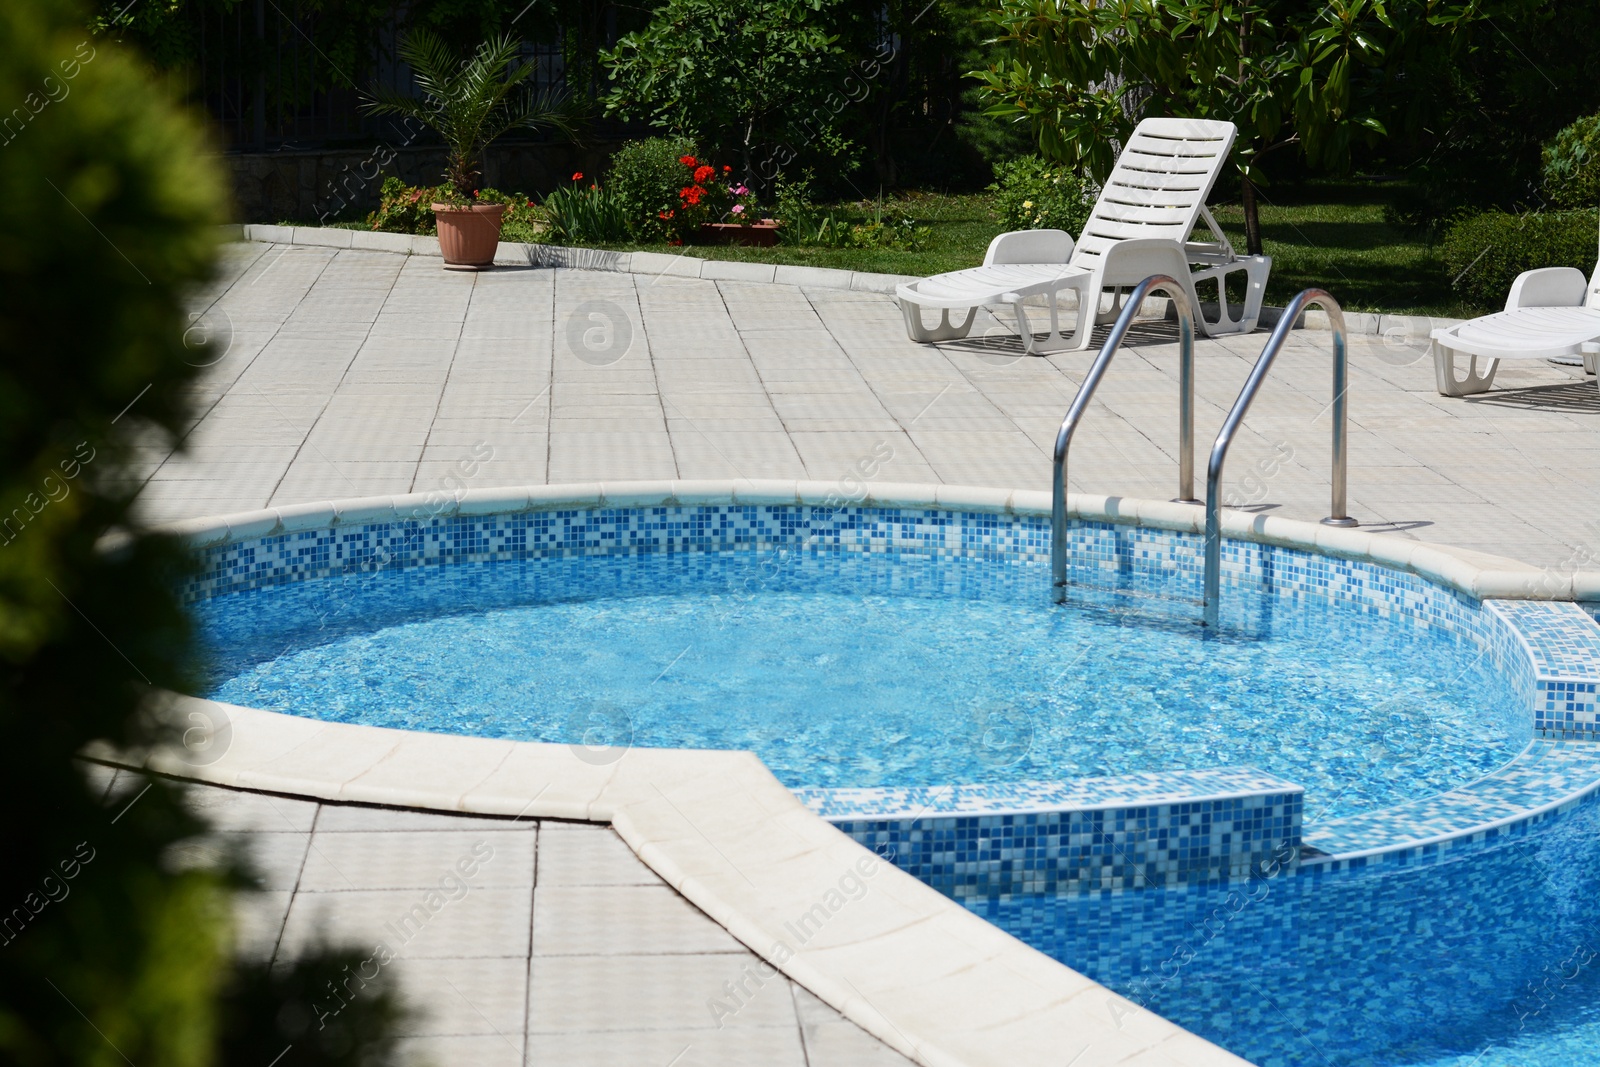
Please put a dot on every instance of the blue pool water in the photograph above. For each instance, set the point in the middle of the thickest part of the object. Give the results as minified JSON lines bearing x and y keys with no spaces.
{"x":1491,"y":959}
{"x":854,"y":670}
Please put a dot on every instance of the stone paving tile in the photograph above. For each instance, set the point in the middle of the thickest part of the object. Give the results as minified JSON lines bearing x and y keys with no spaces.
{"x":417,"y":859}
{"x":834,"y":1041}
{"x":418,"y":924}
{"x":568,"y":994}
{"x":583,"y":855}
{"x":765,"y":1046}
{"x":616,"y":920}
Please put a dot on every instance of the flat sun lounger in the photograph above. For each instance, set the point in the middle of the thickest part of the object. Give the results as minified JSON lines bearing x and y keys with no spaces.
{"x":1140,"y":226}
{"x":1552,"y":313}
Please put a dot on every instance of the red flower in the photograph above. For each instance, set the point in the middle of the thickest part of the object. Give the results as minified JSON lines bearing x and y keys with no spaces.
{"x":687,"y":161}
{"x":705,"y":174}
{"x":577,"y":176}
{"x":665,"y":214}
{"x":676,"y":241}
{"x":727,"y":169}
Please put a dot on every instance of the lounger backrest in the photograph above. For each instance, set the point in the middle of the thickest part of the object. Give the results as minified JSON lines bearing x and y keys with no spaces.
{"x":1591,"y":299}
{"x":1160,"y":183}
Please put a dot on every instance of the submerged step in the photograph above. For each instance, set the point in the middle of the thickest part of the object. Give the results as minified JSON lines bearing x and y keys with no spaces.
{"x":1128,"y":832}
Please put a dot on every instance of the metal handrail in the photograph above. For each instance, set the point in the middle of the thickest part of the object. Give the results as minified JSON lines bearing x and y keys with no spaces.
{"x":1219,"y":450}
{"x":1080,"y":404}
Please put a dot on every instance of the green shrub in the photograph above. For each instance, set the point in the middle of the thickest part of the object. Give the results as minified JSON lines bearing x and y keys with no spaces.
{"x":523,"y":221}
{"x":109,"y":199}
{"x":1032,"y":193}
{"x":644,"y":180}
{"x":585,"y":215}
{"x":1572,"y":165}
{"x":403,"y":208}
{"x":1484,"y":253}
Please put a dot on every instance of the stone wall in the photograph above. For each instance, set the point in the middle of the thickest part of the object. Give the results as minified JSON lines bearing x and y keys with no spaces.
{"x":303,"y":186}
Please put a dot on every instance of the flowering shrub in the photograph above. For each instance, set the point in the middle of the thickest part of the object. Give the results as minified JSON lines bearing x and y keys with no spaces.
{"x":1032,"y":193}
{"x":403,"y":208}
{"x":645,"y":177}
{"x":711,"y":194}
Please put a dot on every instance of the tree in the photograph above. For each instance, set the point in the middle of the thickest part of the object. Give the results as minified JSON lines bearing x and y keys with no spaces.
{"x":1316,"y":76}
{"x":736,"y":75}
{"x":109,"y":952}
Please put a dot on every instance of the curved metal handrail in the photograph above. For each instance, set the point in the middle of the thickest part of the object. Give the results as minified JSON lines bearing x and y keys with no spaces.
{"x":1080,"y":404}
{"x":1219,"y":449}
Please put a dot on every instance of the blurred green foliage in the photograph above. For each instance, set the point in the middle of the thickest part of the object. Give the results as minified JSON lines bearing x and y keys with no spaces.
{"x":110,"y":952}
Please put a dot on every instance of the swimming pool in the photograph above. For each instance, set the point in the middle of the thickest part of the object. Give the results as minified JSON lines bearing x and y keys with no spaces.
{"x":844,"y":668}
{"x":902,"y":668}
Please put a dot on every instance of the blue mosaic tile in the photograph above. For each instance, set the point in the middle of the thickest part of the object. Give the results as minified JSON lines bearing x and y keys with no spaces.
{"x":1549,"y":652}
{"x":1090,"y":834}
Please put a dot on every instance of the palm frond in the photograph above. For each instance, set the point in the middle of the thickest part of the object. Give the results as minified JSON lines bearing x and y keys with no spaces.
{"x":470,"y":103}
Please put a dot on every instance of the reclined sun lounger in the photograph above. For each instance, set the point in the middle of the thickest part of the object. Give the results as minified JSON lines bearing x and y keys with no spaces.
{"x":1552,"y":313}
{"x":1140,"y":226}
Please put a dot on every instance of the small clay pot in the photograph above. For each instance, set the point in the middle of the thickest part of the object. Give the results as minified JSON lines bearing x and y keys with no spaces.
{"x":469,"y":235}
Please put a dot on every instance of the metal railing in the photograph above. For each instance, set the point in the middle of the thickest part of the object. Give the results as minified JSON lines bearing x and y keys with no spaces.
{"x":1219,"y":450}
{"x":1080,"y":404}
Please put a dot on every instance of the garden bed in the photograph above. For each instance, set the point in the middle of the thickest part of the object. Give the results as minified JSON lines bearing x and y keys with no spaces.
{"x":1328,"y":234}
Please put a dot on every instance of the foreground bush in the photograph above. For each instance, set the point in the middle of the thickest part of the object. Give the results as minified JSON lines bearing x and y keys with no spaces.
{"x":110,"y":954}
{"x":1484,"y":253}
{"x":1572,"y":165}
{"x":1032,"y":193}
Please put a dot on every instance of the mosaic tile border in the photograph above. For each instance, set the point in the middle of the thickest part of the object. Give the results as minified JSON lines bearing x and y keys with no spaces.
{"x":1557,"y":683}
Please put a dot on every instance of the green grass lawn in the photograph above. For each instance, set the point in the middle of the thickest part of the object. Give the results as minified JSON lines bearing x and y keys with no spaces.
{"x":1327,"y":234}
{"x":1333,"y":235}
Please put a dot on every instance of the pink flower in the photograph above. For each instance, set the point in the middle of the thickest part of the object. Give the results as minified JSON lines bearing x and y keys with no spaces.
{"x":738,"y":209}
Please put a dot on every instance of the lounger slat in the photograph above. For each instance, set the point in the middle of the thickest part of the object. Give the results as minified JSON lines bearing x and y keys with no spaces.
{"x":1165,"y":215}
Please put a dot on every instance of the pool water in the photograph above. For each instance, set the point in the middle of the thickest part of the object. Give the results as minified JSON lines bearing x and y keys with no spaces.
{"x":842,"y":669}
{"x":1491,"y":959}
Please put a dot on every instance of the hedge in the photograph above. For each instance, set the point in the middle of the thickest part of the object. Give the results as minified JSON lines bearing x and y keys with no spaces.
{"x":1484,"y":253}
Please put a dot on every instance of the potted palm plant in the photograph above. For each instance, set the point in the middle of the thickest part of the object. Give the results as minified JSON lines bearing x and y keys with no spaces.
{"x":468,"y":103}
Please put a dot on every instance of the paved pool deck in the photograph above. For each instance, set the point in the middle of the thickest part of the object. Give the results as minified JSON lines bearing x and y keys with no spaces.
{"x":353,"y":373}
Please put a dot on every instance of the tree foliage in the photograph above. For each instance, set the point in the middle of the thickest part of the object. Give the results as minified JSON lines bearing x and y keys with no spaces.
{"x":1320,"y":76}
{"x":736,"y":75}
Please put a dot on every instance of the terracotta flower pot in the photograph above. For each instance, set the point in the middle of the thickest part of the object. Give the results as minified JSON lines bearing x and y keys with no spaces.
{"x":763,"y":234}
{"x":468,"y":236}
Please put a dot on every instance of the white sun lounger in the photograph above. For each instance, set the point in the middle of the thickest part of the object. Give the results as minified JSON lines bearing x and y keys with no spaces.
{"x":1140,"y":226}
{"x":1552,"y":313}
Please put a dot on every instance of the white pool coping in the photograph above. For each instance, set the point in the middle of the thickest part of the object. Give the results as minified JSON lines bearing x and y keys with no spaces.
{"x":909,"y":965}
